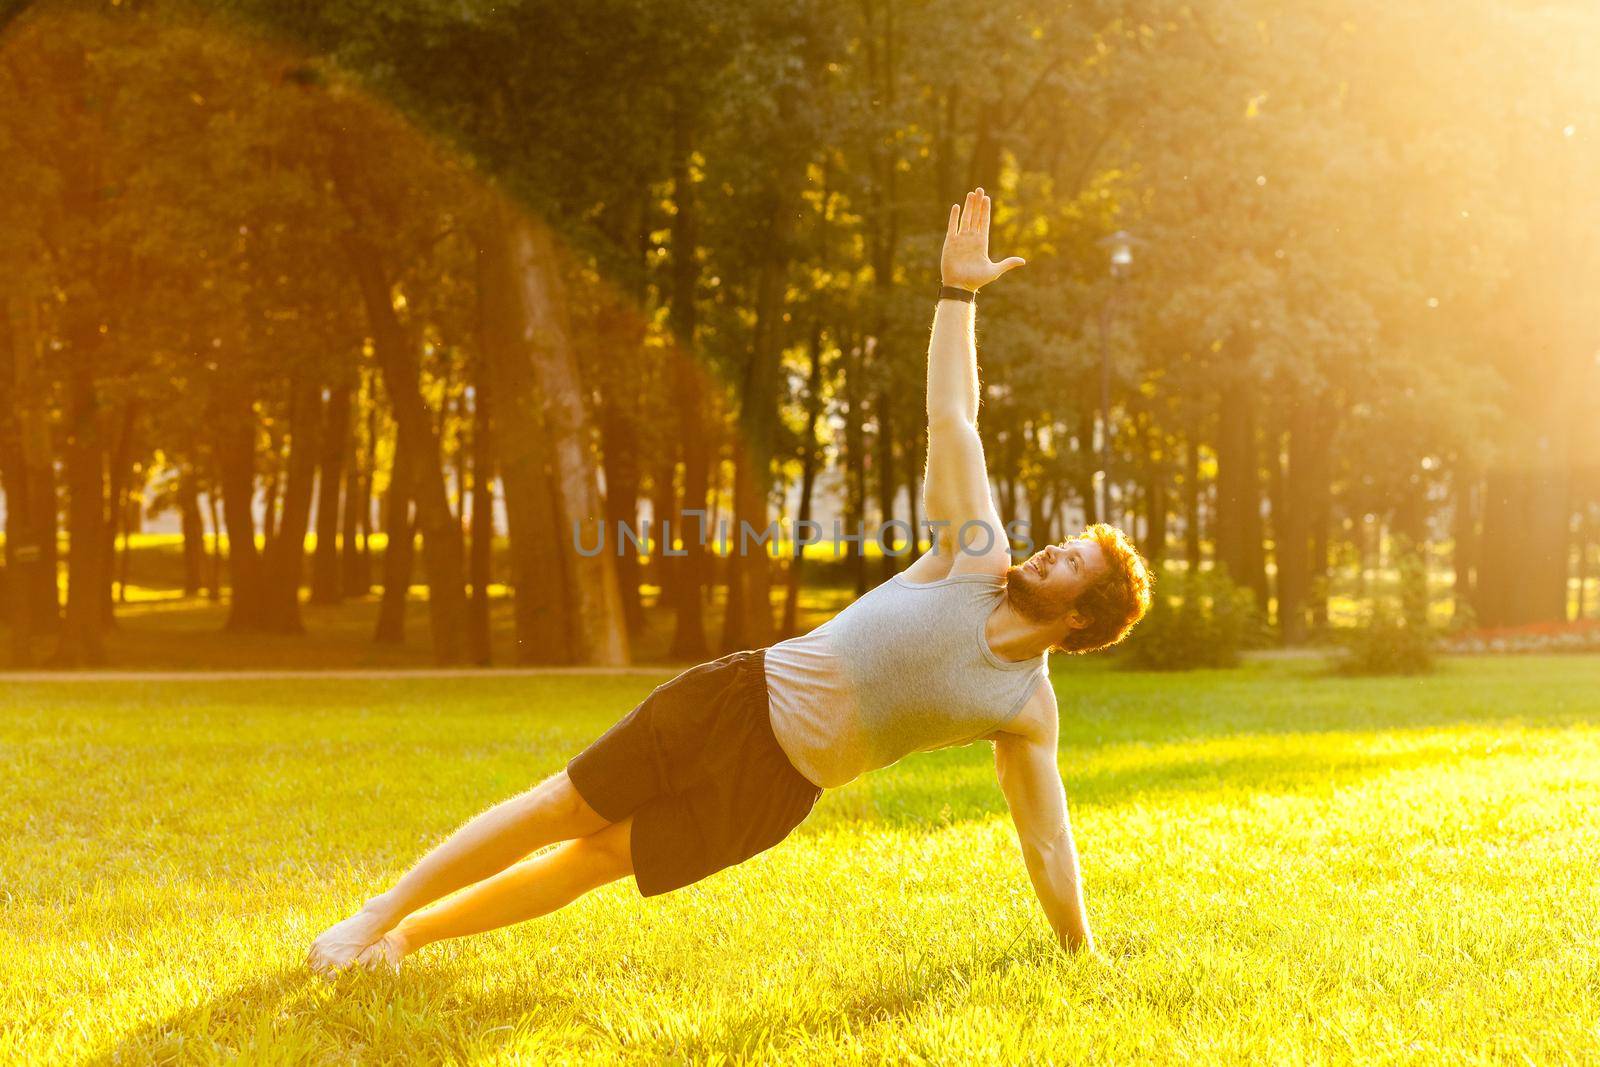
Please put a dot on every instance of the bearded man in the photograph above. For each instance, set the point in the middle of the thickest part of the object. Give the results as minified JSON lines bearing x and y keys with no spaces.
{"x":722,"y":762}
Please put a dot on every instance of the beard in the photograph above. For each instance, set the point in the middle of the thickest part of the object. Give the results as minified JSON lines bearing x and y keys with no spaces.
{"x":1030,"y":600}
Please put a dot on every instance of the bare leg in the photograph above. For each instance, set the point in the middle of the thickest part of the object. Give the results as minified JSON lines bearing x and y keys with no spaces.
{"x":526,"y":890}
{"x":549,"y":812}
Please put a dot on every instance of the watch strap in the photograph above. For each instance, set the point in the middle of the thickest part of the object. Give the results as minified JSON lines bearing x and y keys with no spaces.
{"x":951,"y":292}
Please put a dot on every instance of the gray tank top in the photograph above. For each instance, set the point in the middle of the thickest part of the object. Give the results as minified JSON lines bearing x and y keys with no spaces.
{"x":904,"y":669}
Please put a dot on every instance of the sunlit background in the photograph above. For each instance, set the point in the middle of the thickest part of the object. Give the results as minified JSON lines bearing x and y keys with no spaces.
{"x":1330,"y":267}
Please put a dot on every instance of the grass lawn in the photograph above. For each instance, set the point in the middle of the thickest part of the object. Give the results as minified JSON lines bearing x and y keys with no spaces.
{"x":1281,"y":867}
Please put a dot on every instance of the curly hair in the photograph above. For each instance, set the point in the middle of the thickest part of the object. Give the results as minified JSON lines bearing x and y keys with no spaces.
{"x":1117,"y":600}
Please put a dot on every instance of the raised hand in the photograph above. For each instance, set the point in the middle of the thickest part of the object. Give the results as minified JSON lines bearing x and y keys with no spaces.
{"x":965,"y":261}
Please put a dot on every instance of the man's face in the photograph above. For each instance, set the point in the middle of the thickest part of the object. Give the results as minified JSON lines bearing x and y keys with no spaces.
{"x":1044,"y":587}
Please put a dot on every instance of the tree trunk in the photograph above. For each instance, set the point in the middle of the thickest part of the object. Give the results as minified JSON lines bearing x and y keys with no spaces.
{"x":357,"y":549}
{"x":568,"y":604}
{"x":916,"y":482}
{"x":1525,"y":533}
{"x":272,"y":490}
{"x":1543,"y":597}
{"x":619,"y":433}
{"x":236,"y":461}
{"x":120,"y":463}
{"x":29,"y":475}
{"x":1370,"y":535}
{"x":214,"y":553}
{"x":20,"y":551}
{"x":284,"y":563}
{"x":689,"y":571}
{"x":1155,"y":495}
{"x":442,"y":551}
{"x":131,"y":513}
{"x":400,"y":532}
{"x":327,"y":586}
{"x":883,"y":232}
{"x":1088,"y":463}
{"x":809,"y":462}
{"x":1464,"y":535}
{"x":194,"y":532}
{"x":888,"y":482}
{"x":1238,"y":521}
{"x":621,"y":370}
{"x":538,"y":571}
{"x":1292,"y":525}
{"x":355,"y":577}
{"x":1191,"y":501}
{"x":984,"y":167}
{"x":855,"y":481}
{"x":1409,"y":536}
{"x":594,"y":602}
{"x":748,"y":622}
{"x":82,"y":633}
{"x":663,"y":506}
{"x":1582,"y":536}
{"x":480,"y":557}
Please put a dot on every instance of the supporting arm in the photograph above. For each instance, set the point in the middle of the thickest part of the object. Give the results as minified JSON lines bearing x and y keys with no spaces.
{"x":1031,"y":782}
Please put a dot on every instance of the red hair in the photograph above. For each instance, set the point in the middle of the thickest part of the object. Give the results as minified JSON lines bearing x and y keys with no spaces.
{"x":1117,"y":600}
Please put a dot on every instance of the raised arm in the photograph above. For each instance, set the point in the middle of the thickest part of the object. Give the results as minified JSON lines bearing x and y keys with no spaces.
{"x":1026,"y":764}
{"x":953,"y":351}
{"x":956,"y":484}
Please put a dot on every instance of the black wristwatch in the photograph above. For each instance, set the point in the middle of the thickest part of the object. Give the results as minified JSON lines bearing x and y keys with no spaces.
{"x":951,"y":292}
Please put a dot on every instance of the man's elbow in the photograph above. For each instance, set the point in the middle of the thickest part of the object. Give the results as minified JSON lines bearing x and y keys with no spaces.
{"x":945,"y":417}
{"x":1055,"y":855}
{"x":1049,"y":842}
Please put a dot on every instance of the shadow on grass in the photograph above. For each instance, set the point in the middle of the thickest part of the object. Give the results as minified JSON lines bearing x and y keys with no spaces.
{"x":300,"y":1017}
{"x":902,"y":988}
{"x":436,"y":1014}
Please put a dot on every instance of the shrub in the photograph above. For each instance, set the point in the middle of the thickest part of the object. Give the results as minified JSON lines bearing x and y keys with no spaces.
{"x":1196,"y":620}
{"x":1463,"y":618}
{"x":1385,"y":643}
{"x":1391,"y":639}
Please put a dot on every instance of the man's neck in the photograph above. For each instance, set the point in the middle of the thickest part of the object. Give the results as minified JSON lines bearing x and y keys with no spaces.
{"x":1011,"y":637}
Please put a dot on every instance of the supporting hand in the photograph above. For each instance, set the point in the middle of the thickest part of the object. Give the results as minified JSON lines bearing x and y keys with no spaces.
{"x":965,"y":261}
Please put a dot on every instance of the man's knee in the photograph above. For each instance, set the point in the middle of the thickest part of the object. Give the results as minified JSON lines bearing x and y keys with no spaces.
{"x":608,"y":854}
{"x":557,"y":796}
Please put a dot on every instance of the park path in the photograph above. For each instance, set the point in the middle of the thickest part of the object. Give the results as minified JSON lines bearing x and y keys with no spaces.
{"x":357,"y":674}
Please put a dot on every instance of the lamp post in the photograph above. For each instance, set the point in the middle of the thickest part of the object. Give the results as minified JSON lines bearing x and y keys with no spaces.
{"x":1120,"y":245}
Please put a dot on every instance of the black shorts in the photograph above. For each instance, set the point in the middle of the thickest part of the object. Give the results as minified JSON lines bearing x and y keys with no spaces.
{"x":697,"y":766}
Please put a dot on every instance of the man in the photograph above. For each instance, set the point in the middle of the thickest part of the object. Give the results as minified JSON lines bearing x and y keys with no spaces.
{"x":725,"y":760}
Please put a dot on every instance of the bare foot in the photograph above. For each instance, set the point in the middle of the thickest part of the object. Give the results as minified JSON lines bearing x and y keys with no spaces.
{"x":384,"y":954}
{"x":339,"y":945}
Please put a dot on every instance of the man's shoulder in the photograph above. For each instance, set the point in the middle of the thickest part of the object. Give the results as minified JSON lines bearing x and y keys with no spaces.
{"x":1038,"y":716}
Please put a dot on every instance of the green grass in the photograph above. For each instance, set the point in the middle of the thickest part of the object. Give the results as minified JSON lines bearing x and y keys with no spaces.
{"x":1282,"y":867}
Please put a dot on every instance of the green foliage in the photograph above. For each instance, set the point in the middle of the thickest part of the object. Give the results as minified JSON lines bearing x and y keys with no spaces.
{"x":1196,"y":620}
{"x":1365,"y":242}
{"x":1393,"y":638}
{"x":1385,"y":643}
